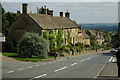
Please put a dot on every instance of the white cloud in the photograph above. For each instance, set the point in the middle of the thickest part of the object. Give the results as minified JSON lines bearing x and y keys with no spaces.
{"x":60,"y":0}
{"x":80,"y":11}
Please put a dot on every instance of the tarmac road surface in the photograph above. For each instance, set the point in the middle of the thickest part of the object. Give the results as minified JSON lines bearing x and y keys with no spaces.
{"x":80,"y":66}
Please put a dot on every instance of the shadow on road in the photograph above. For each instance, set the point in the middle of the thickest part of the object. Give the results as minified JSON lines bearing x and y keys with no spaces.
{"x":107,"y":54}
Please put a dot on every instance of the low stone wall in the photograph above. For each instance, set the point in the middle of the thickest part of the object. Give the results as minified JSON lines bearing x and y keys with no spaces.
{"x":82,"y":52}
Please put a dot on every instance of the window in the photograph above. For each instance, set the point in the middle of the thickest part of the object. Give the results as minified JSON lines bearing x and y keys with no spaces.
{"x":73,"y":40}
{"x":65,"y":40}
{"x":76,"y":38}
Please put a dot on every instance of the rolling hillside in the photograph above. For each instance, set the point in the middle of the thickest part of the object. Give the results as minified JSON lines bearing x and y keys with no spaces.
{"x":106,"y":27}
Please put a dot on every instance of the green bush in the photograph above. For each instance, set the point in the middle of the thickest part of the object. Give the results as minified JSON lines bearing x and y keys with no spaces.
{"x":93,"y":47}
{"x":93,"y":42}
{"x":79,"y":44}
{"x":32,"y":44}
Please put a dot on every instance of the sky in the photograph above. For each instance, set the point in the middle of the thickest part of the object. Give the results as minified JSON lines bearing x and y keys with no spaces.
{"x":87,"y":11}
{"x":59,"y":0}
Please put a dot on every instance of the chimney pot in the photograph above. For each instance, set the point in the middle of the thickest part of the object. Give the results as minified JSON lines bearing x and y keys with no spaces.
{"x":25,"y":8}
{"x":61,"y":14}
{"x":45,"y":10}
{"x":51,"y":12}
{"x":67,"y":14}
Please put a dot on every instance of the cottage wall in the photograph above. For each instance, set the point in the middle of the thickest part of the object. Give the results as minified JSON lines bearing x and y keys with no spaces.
{"x":22,"y":25}
{"x":73,"y":35}
{"x":86,"y":41}
{"x":80,"y":37}
{"x":100,"y":41}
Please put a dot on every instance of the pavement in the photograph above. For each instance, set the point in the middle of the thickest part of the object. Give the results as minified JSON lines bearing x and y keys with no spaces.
{"x":109,"y":71}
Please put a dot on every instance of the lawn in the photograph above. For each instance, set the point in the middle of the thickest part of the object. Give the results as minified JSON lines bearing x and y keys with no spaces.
{"x":15,"y":56}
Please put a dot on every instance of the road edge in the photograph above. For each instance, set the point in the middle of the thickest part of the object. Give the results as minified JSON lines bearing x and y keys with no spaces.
{"x":103,"y":68}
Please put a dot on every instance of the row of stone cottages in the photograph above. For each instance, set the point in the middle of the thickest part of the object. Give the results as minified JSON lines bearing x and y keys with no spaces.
{"x":31,"y":22}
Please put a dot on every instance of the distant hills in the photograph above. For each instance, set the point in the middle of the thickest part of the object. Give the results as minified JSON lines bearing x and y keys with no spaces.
{"x":105,"y":27}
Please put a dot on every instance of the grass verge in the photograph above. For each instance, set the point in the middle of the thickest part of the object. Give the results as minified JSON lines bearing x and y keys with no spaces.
{"x":33,"y":59}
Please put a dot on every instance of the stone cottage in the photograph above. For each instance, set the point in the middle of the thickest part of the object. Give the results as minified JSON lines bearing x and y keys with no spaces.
{"x":83,"y":37}
{"x":33,"y":22}
{"x":95,"y":34}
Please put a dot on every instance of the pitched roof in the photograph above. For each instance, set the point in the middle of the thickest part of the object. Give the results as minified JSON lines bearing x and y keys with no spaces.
{"x":94,"y":32}
{"x":52,"y":22}
{"x":85,"y":35}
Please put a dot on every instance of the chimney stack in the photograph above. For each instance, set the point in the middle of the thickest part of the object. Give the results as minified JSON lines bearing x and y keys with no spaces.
{"x":45,"y":10}
{"x":25,"y":8}
{"x":67,"y":14}
{"x":51,"y":12}
{"x":61,"y":14}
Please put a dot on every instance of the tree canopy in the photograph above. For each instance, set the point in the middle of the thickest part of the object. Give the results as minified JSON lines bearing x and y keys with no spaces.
{"x":7,"y":19}
{"x":41,"y":11}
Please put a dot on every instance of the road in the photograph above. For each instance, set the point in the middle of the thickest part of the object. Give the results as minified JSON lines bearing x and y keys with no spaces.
{"x":80,"y":66}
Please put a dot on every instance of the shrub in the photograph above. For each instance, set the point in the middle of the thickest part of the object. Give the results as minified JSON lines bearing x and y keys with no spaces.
{"x":79,"y":44}
{"x":93,"y":47}
{"x":93,"y":42}
{"x":59,"y":39}
{"x":32,"y":44}
{"x":52,"y":40}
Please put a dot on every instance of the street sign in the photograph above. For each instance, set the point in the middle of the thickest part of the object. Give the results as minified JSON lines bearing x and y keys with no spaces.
{"x":2,"y":39}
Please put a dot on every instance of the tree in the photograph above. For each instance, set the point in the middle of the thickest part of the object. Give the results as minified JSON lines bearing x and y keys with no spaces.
{"x":41,"y":11}
{"x":59,"y":38}
{"x":11,"y":17}
{"x":109,"y":37}
{"x":45,"y":35}
{"x":52,"y":40}
{"x":3,"y":11}
{"x":5,"y":22}
{"x":93,"y":42}
{"x":32,"y":44}
{"x":7,"y":19}
{"x":18,"y":12}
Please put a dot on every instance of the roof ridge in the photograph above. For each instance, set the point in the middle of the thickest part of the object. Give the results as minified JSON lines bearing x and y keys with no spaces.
{"x":53,"y":22}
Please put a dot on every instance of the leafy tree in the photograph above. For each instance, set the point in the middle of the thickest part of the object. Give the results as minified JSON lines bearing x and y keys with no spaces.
{"x":18,"y":12}
{"x":109,"y":37}
{"x":114,"y":37}
{"x":7,"y":19}
{"x":59,"y":38}
{"x":5,"y":22}
{"x":32,"y":44}
{"x":93,"y":42}
{"x":52,"y":40}
{"x":11,"y":17}
{"x":3,"y":11}
{"x":41,"y":11}
{"x":5,"y":25}
{"x":45,"y":35}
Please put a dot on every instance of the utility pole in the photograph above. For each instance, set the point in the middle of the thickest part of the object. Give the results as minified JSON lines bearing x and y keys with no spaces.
{"x":96,"y":39}
{"x":119,"y":31}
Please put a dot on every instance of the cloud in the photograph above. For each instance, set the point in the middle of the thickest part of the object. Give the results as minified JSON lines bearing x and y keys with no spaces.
{"x":80,"y":11}
{"x":60,"y":0}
